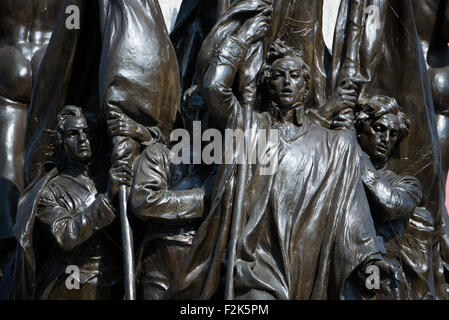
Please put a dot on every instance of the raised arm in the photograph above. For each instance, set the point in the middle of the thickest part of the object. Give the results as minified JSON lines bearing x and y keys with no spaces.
{"x":219,"y":78}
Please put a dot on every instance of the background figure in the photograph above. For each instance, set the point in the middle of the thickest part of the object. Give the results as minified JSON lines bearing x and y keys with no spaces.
{"x":406,"y":228}
{"x":25,"y":30}
{"x":62,"y":222}
{"x":93,"y":66}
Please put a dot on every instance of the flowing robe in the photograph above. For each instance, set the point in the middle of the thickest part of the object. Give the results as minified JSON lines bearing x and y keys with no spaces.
{"x":305,"y":228}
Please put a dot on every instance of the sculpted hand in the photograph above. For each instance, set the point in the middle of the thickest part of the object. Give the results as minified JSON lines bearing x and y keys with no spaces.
{"x":119,"y":174}
{"x":121,"y":125}
{"x":345,"y":97}
{"x":256,"y":28}
{"x":392,"y":278}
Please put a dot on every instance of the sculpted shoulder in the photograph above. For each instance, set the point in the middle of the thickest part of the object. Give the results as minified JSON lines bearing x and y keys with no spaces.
{"x":157,"y":152}
{"x":336,"y":138}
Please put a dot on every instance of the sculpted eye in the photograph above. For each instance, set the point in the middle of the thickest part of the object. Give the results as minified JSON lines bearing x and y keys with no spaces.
{"x":295,"y":75}
{"x":378,"y":128}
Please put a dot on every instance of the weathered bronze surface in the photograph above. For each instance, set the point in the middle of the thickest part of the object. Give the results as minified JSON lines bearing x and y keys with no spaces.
{"x":117,"y":163}
{"x":68,"y":218}
{"x":26,"y":28}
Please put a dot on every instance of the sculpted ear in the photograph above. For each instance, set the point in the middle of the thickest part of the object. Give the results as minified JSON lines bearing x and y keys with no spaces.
{"x":58,"y":139}
{"x":306,"y":71}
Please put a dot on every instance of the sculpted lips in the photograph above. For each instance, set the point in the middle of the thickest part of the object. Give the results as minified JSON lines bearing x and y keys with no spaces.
{"x":286,"y":92}
{"x":381,"y":148}
{"x":84,"y":148}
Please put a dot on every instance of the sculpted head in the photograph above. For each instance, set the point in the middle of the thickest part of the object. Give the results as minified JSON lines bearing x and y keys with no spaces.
{"x":73,"y":135}
{"x":286,"y":76}
{"x":380,"y":126}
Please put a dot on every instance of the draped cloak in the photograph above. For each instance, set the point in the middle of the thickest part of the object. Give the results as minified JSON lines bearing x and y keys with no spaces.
{"x":25,"y":260}
{"x":269,"y":258}
{"x":397,"y":53}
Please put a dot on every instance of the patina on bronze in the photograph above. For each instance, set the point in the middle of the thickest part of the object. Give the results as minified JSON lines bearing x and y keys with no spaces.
{"x":270,"y":250}
{"x":26,"y":28}
{"x":352,"y":134}
{"x":69,"y":215}
{"x":406,"y":228}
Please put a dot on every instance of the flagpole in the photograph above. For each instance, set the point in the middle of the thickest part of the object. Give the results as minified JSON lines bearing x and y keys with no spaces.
{"x":127,"y":245}
{"x":222,"y":6}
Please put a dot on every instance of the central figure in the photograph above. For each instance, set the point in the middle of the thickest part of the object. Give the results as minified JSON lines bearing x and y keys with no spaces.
{"x":305,"y":231}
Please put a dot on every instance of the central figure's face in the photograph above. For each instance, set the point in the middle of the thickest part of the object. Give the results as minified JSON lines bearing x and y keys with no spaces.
{"x":287,"y":83}
{"x":379,"y":139}
{"x":77,"y":139}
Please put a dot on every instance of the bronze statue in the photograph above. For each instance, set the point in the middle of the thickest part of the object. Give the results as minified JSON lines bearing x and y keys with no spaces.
{"x":277,"y":252}
{"x":71,"y":218}
{"x":332,"y":177}
{"x":406,"y":228}
{"x":26,"y":28}
{"x":388,"y":37}
{"x":171,"y":214}
{"x":98,"y":70}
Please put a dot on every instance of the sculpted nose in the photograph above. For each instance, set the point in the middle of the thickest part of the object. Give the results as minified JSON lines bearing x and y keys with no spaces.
{"x":83,"y":137}
{"x":384,"y":137}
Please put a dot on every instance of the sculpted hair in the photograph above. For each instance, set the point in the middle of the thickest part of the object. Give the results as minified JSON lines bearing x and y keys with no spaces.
{"x":63,"y":115}
{"x":279,"y":50}
{"x":373,"y":106}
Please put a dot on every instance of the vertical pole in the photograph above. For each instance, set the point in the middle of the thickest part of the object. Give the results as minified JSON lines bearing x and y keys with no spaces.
{"x":222,"y":6}
{"x":127,"y":245}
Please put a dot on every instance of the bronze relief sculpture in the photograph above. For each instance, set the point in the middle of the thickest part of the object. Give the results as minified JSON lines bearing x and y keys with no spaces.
{"x":71,"y":217}
{"x":406,"y":228}
{"x":26,"y":31}
{"x":333,"y":165}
